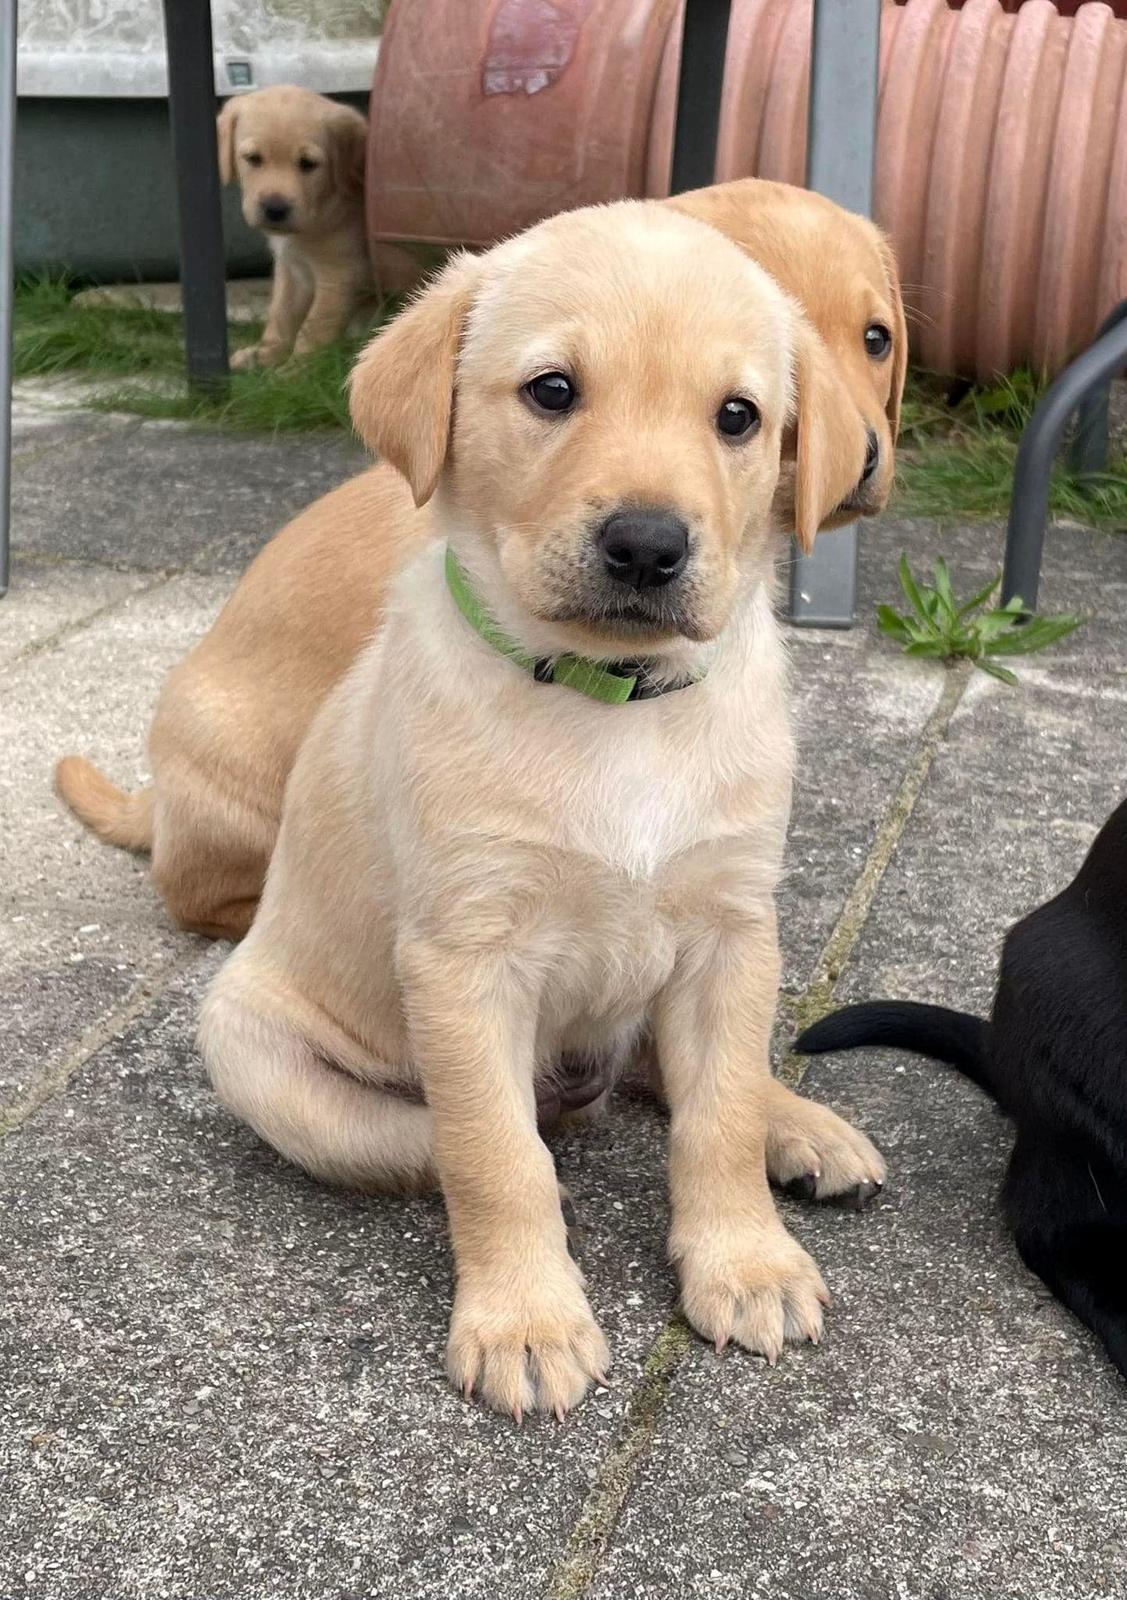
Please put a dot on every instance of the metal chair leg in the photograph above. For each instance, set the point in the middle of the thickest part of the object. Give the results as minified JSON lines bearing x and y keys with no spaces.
{"x":704,"y":41}
{"x":1088,"y":454}
{"x":841,"y":145}
{"x":1087,"y":376}
{"x":191,"y":104}
{"x":7,"y":270}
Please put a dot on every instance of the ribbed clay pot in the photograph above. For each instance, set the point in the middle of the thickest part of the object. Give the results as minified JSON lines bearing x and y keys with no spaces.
{"x":1001,"y":166}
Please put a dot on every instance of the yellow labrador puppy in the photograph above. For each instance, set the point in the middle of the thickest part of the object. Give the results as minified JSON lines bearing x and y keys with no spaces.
{"x":232,"y":715}
{"x":545,"y":809}
{"x":300,"y":161}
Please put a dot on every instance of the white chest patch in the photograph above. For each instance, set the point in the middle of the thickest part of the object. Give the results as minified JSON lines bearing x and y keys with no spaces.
{"x":636,"y":801}
{"x":286,"y":253}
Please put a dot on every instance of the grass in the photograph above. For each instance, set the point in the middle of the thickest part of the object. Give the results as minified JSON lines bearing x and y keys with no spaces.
{"x":956,"y":452}
{"x":957,"y":457}
{"x":136,"y":357}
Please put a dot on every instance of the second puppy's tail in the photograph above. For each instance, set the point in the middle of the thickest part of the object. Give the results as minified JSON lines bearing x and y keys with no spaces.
{"x":956,"y":1037}
{"x":118,"y":818}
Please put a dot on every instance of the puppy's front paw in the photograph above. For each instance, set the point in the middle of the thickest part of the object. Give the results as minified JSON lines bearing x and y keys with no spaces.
{"x":245,"y":359}
{"x":814,"y":1154}
{"x":532,"y":1349}
{"x":755,"y":1285}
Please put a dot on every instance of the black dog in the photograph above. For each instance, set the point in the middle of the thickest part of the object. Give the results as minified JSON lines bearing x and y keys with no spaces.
{"x":1054,"y":1057}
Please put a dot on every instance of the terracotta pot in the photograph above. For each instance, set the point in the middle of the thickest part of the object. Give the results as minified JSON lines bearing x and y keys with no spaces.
{"x":487,"y":115}
{"x":1001,"y":168}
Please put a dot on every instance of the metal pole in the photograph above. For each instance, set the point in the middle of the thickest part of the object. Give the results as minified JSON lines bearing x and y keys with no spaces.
{"x":1029,"y":502}
{"x":191,"y":104}
{"x":841,"y":146}
{"x":7,"y":274}
{"x":1088,"y":454}
{"x":704,"y":41}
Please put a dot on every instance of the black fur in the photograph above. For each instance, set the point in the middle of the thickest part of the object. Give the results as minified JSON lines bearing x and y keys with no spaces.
{"x":1054,"y":1057}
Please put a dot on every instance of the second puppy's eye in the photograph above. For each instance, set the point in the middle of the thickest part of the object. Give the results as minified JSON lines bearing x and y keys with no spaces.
{"x":307,"y":164}
{"x":552,"y":391}
{"x":738,"y":418}
{"x":878,"y":341}
{"x":253,"y":159}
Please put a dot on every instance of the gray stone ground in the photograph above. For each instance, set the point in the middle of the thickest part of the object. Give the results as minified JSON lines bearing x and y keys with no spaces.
{"x":222,"y":1380}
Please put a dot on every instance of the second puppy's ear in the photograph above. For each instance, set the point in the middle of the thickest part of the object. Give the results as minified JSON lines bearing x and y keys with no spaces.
{"x":830,"y":444}
{"x":225,"y":125}
{"x":402,"y":387}
{"x":899,"y":338}
{"x":348,"y":135}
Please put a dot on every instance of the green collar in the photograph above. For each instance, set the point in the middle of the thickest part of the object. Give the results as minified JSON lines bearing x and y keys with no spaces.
{"x":613,"y":685}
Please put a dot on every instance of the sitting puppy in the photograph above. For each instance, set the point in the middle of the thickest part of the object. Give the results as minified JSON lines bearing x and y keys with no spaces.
{"x":544,"y":811}
{"x":233,"y":714}
{"x":1054,"y":1057}
{"x":300,"y":161}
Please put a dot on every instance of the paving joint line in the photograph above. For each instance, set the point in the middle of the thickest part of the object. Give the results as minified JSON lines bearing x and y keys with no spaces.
{"x":33,"y":450}
{"x":70,"y":630}
{"x":157,"y":580}
{"x":57,"y":1077}
{"x":594,"y":1527}
{"x":817,"y":996}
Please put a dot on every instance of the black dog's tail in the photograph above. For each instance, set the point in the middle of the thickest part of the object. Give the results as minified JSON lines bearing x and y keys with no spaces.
{"x":952,"y":1036}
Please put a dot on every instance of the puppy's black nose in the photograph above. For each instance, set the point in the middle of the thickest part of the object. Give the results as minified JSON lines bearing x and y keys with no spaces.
{"x":872,"y":455}
{"x":644,"y":546}
{"x":275,"y":209}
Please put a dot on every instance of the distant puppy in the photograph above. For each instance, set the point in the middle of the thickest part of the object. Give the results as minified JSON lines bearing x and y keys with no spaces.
{"x":1054,"y":1057}
{"x":300,"y":161}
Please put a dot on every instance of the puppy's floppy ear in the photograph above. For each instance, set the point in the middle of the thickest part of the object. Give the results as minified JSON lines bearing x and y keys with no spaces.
{"x":225,"y":124}
{"x":899,"y":337}
{"x":830,"y":445}
{"x":402,"y":387}
{"x":348,"y":147}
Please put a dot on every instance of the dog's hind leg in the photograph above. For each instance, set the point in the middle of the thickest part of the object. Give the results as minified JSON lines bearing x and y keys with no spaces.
{"x":319,"y":1116}
{"x":1096,"y":1301}
{"x":1070,"y":1227}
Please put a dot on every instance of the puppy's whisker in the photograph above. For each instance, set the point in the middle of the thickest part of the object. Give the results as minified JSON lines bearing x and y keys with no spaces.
{"x":1096,"y":1187}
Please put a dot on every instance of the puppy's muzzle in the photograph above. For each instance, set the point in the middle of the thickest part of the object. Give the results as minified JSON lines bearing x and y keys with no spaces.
{"x":643,"y":547}
{"x":872,"y":455}
{"x":864,"y":497}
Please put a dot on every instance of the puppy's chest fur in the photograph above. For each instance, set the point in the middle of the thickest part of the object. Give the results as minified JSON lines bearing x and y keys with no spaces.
{"x":287,"y":252}
{"x":589,"y":840}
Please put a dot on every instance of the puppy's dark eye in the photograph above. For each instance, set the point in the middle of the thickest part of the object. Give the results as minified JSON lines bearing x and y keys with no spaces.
{"x":253,"y":159}
{"x":738,"y":418}
{"x":552,"y":391}
{"x":878,"y":341}
{"x":307,"y":164}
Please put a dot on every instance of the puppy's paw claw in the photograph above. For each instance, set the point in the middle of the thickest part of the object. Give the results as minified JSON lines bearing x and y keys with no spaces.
{"x":859,"y":1198}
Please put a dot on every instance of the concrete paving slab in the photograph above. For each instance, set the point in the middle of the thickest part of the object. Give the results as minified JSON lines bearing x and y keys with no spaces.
{"x":225,"y":1379}
{"x":169,"y":496}
{"x":859,"y":714}
{"x":957,"y":1434}
{"x":82,"y":925}
{"x":49,"y":598}
{"x":43,"y":420}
